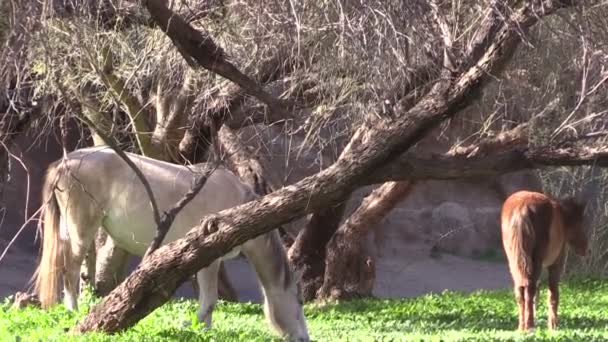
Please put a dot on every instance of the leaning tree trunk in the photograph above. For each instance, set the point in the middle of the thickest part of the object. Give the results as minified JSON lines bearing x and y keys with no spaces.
{"x":349,"y":272}
{"x":307,"y":254}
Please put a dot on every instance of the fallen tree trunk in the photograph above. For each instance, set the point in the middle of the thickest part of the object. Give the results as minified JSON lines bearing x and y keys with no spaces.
{"x":154,"y":281}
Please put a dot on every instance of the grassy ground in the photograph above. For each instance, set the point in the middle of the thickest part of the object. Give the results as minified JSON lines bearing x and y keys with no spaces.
{"x":450,"y":316}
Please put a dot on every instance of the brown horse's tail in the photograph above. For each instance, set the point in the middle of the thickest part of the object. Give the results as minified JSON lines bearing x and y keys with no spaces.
{"x":53,"y":249}
{"x":522,"y":239}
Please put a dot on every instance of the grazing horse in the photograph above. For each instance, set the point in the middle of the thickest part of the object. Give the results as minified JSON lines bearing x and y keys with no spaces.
{"x":535,"y":231}
{"x":94,"y":188}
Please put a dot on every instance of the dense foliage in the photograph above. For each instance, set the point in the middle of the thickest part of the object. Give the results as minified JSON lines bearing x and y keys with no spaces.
{"x":450,"y":316}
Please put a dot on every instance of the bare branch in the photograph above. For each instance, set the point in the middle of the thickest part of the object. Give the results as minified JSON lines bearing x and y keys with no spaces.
{"x":133,"y":108}
{"x":172,"y":112}
{"x":517,"y":136}
{"x":227,"y":109}
{"x":245,"y":164}
{"x":162,"y":228}
{"x":198,"y":47}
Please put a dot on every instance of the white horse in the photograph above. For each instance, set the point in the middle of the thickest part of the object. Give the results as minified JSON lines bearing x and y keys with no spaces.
{"x":93,"y":188}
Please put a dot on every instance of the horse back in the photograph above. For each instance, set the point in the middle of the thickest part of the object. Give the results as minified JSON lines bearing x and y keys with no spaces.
{"x":526,"y":221}
{"x":101,"y":180}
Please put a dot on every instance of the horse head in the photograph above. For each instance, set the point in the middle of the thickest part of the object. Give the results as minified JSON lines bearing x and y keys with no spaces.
{"x":576,"y":235}
{"x":287,"y":315}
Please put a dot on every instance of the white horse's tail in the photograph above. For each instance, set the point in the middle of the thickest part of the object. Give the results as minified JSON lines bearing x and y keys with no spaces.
{"x":54,"y":252}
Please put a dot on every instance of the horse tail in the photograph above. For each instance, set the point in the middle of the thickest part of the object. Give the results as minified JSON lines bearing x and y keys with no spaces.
{"x":54,"y":252}
{"x":523,"y":238}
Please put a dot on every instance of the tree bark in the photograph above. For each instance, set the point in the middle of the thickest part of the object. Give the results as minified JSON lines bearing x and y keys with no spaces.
{"x":242,"y":162}
{"x":153,"y":282}
{"x":349,"y":273}
{"x":228,"y":109}
{"x":307,"y":254}
{"x":411,"y":167}
{"x":172,"y":112}
{"x":110,"y":262}
{"x":198,"y":48}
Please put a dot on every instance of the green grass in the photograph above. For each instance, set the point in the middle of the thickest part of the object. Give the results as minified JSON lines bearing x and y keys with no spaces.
{"x":450,"y":316}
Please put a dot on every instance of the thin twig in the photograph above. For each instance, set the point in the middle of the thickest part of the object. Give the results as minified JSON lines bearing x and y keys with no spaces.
{"x":591,"y":135}
{"x":168,"y":216}
{"x":27,"y":172}
{"x":27,"y":220}
{"x":21,"y":229}
{"x":583,"y":94}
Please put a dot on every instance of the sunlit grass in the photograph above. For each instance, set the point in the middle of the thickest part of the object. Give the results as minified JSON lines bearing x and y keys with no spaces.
{"x":450,"y":316}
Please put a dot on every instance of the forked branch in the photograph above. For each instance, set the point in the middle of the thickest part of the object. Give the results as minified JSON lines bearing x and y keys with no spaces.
{"x":198,"y":48}
{"x":169,"y":216}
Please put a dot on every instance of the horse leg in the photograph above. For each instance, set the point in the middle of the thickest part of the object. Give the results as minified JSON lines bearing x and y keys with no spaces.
{"x":530,"y":296}
{"x":71,"y":279}
{"x":79,"y":226}
{"x":79,"y":245}
{"x":530,"y":291}
{"x":555,"y":272}
{"x":207,"y":284}
{"x":519,"y":298}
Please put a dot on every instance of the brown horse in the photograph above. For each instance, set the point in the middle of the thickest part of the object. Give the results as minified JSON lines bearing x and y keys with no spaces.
{"x":535,"y":230}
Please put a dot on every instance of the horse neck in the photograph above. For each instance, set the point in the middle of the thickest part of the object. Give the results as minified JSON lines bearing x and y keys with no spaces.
{"x":557,"y":230}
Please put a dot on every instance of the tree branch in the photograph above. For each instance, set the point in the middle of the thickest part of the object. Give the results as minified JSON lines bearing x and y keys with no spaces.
{"x":413,"y":168}
{"x":348,"y":272}
{"x":172,"y":112}
{"x":133,"y":108}
{"x":227,"y":109}
{"x":168,"y":216}
{"x":245,"y":164}
{"x":198,"y":47}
